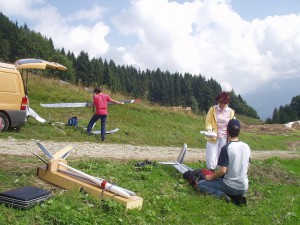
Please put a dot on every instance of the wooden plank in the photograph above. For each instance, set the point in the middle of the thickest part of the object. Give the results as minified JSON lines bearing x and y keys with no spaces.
{"x":62,"y":152}
{"x":54,"y":164}
{"x":68,"y":182}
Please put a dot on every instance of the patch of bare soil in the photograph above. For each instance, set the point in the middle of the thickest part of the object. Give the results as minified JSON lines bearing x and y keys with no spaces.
{"x":272,"y":129}
{"x":275,"y":129}
{"x":294,"y":146}
{"x":273,"y":174}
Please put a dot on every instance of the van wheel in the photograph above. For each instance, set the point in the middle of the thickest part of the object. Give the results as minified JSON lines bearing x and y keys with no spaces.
{"x":4,"y":122}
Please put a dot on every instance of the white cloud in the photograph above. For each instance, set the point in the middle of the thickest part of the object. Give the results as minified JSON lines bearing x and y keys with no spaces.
{"x":209,"y":38}
{"x":73,"y":32}
{"x":200,"y":37}
{"x":94,"y":14}
{"x":18,"y":7}
{"x":226,"y":86}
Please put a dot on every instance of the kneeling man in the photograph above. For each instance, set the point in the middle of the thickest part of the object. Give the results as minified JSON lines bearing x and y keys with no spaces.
{"x":230,"y":178}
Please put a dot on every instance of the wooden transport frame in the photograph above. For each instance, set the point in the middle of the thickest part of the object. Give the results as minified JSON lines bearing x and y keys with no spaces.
{"x":52,"y":173}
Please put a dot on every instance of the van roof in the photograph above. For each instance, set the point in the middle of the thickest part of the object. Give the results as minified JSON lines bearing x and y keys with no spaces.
{"x":7,"y":66}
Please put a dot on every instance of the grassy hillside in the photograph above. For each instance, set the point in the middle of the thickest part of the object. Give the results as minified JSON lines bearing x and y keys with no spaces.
{"x":139,"y":123}
{"x":273,"y":197}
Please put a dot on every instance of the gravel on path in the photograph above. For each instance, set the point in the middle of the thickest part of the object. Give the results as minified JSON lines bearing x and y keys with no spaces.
{"x":121,"y":151}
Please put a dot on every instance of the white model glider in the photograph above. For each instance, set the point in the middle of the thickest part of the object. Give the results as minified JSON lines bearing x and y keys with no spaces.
{"x":178,"y":164}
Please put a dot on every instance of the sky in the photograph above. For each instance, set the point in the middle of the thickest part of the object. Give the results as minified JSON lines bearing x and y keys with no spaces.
{"x":242,"y":44}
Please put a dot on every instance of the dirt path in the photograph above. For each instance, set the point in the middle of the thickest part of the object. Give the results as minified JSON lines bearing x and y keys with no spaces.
{"x":120,"y":152}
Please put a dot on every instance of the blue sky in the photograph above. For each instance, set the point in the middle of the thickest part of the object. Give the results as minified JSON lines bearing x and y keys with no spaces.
{"x":243,"y":44}
{"x":261,"y":9}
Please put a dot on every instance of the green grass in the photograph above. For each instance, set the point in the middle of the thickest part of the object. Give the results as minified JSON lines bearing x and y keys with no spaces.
{"x":140,"y":123}
{"x":269,"y":142}
{"x":273,"y":197}
{"x":249,"y":120}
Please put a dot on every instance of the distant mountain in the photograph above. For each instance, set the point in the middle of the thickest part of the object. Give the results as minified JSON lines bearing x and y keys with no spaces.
{"x":272,"y":95}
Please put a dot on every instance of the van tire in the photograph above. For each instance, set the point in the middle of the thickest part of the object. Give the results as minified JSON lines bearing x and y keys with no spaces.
{"x":4,"y":122}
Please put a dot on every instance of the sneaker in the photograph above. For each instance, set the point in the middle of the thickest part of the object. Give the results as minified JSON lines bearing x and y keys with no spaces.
{"x":238,"y":199}
{"x":195,"y":183}
{"x":140,"y":164}
{"x":243,"y":200}
{"x":225,"y":197}
{"x":102,"y":139}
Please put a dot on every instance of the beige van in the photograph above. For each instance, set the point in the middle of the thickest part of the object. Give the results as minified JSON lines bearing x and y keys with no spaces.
{"x":13,"y":91}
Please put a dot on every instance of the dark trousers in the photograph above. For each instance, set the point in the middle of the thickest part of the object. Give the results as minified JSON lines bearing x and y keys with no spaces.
{"x":94,"y":120}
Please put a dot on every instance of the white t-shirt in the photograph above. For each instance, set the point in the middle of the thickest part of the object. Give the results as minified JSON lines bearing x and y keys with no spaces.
{"x":236,"y":157}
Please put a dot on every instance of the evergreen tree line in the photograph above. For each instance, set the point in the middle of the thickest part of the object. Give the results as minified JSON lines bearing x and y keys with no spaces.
{"x":287,"y":113}
{"x":161,"y":87}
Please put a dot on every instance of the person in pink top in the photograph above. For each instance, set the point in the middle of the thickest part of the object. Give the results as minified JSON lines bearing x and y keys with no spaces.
{"x":100,"y":101}
{"x":216,"y":121}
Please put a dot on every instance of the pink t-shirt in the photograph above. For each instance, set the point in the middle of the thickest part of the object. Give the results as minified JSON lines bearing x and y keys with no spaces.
{"x":100,"y":101}
{"x":223,"y":117}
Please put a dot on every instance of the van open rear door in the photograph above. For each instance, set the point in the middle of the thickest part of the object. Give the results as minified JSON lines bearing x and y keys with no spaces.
{"x":37,"y":64}
{"x":32,"y":63}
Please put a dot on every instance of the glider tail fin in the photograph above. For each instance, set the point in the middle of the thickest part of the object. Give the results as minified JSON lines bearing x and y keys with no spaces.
{"x":45,"y":151}
{"x":182,"y":154}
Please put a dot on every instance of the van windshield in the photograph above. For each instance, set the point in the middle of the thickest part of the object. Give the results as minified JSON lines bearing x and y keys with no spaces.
{"x":29,"y":61}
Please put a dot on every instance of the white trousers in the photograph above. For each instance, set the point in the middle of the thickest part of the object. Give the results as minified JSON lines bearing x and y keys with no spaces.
{"x":213,"y":151}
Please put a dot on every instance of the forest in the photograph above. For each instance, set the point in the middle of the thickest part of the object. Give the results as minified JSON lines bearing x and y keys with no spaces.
{"x":156,"y":86}
{"x":287,"y":113}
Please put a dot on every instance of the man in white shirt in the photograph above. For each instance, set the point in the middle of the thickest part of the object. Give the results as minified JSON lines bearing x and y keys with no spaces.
{"x":230,"y":178}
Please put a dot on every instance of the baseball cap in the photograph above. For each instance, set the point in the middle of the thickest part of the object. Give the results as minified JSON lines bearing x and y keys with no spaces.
{"x":234,"y":124}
